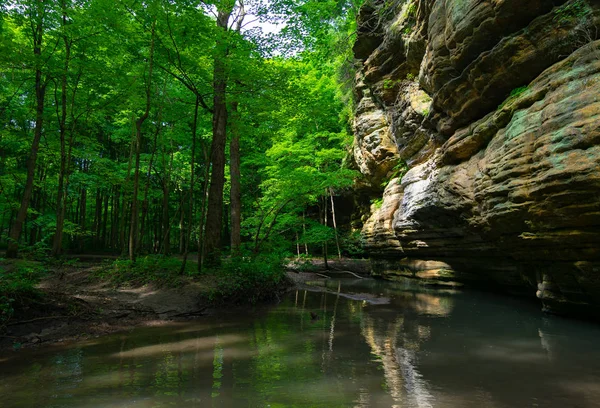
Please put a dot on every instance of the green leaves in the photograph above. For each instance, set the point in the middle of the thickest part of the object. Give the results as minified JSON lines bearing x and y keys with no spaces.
{"x":249,"y":279}
{"x":95,"y":54}
{"x":17,"y":285}
{"x":304,"y":156}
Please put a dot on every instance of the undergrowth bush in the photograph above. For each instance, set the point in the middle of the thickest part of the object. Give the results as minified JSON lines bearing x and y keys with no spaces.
{"x":159,"y":269}
{"x":352,"y":243}
{"x":304,"y":263}
{"x":17,"y":286}
{"x":40,"y":251}
{"x":249,"y":279}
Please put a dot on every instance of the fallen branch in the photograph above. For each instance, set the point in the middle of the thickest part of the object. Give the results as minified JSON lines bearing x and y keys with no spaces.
{"x":352,"y":273}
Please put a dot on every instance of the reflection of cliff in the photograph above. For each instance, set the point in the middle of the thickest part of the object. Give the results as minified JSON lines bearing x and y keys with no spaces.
{"x":395,"y":344}
{"x":424,"y":303}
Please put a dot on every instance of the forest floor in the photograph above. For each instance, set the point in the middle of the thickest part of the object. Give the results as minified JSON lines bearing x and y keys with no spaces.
{"x":77,"y":304}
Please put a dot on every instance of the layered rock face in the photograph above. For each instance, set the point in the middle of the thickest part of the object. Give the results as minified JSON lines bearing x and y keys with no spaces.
{"x":494,"y":108}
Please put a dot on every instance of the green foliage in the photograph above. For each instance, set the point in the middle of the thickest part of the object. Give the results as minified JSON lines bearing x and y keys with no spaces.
{"x":293,"y":121}
{"x":376,"y":203}
{"x":352,"y":243}
{"x":304,"y":263}
{"x":399,"y":170}
{"x":40,"y":251}
{"x":304,"y":160}
{"x":578,"y":9}
{"x":517,"y":91}
{"x":513,"y":95}
{"x":317,"y":234}
{"x":157,"y":269}
{"x":249,"y":279}
{"x":406,"y":17}
{"x":18,"y":282}
{"x":411,"y":10}
{"x":389,"y":84}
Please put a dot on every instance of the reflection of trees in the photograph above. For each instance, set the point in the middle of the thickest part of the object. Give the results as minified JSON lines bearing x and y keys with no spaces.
{"x":68,"y":374}
{"x":286,"y":358}
{"x":168,"y":377}
{"x":217,"y":375}
{"x":285,"y":369}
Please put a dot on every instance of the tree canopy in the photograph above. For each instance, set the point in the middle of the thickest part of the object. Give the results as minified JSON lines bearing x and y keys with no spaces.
{"x":134,"y":127}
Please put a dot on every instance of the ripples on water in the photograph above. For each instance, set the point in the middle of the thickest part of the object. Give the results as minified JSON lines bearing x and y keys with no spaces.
{"x":371,"y":344}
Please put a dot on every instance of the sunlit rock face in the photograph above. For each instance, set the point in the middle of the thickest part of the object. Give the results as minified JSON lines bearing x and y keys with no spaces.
{"x":494,"y":107}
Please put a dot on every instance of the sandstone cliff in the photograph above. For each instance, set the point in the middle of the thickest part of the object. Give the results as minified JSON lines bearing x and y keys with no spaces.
{"x":494,"y":108}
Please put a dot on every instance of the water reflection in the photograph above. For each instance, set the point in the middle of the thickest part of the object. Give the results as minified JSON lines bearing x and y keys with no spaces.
{"x":343,"y":343}
{"x":396,"y":342}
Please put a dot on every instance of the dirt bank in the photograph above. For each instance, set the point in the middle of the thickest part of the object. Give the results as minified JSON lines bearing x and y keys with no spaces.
{"x":77,"y":304}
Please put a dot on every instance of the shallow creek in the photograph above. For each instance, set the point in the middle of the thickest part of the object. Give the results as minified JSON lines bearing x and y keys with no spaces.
{"x":365,"y":344}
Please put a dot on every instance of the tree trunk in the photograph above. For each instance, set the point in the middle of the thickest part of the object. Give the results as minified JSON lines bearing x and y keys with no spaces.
{"x":325,"y":224}
{"x":304,"y":231}
{"x":82,"y":215}
{"x":181,"y":224}
{"x":10,"y":222}
{"x":62,"y":128}
{"x":202,"y":225}
{"x":192,"y":181}
{"x":2,"y":225}
{"x":235,"y":179}
{"x":133,"y":225}
{"x":147,"y":186}
{"x":97,"y":225}
{"x":166,"y":245}
{"x":157,"y":230}
{"x":114,"y":224}
{"x":40,"y":94}
{"x":133,"y":231}
{"x":214,"y":218}
{"x":337,"y":239}
{"x":34,"y":206}
{"x":104,"y":221}
{"x":77,"y":208}
{"x":125,"y":194}
{"x":259,"y":241}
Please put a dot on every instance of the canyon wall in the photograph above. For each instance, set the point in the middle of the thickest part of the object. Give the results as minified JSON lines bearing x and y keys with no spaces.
{"x":480,"y":121}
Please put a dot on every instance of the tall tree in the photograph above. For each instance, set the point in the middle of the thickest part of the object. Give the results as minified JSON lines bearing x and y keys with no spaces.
{"x":62,"y":129}
{"x":133,"y":229}
{"x":214,"y":217}
{"x":235,"y":180}
{"x":36,"y":14}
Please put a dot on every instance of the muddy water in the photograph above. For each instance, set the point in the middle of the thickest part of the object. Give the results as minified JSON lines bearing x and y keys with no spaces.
{"x":366,"y":344}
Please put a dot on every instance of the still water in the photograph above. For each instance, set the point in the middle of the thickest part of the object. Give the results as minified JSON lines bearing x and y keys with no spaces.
{"x":371,"y":344}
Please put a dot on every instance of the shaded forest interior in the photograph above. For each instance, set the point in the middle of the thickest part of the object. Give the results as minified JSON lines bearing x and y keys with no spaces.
{"x":163,"y":127}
